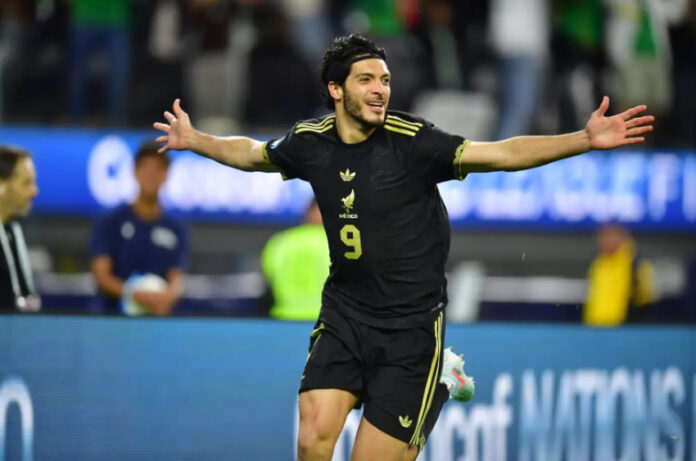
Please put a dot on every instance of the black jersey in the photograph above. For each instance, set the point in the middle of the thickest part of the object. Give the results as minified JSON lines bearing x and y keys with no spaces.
{"x":387,"y":226}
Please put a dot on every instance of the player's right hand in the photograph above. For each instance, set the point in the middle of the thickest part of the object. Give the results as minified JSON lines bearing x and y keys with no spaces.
{"x":177,"y":130}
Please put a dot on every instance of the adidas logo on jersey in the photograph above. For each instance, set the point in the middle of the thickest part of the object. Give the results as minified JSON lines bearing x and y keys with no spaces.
{"x":347,"y":176}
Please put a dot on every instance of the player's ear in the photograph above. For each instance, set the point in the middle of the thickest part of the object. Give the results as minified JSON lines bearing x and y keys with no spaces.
{"x":336,"y":91}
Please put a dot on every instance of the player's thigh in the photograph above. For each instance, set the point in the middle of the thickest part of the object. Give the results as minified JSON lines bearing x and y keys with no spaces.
{"x":323,"y":413}
{"x":331,"y":383}
{"x":372,"y":443}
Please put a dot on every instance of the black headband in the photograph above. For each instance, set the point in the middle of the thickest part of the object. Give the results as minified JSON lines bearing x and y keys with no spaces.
{"x":338,"y":71}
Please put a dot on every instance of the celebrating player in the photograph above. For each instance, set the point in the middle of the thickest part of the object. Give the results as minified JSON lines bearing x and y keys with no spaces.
{"x":379,"y":337}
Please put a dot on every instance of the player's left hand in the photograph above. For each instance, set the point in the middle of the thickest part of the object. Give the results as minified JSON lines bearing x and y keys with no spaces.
{"x":618,"y":130}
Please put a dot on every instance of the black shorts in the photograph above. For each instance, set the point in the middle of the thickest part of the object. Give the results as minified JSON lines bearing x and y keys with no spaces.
{"x":395,"y":373}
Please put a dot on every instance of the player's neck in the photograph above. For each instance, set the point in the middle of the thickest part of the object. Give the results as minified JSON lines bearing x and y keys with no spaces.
{"x":147,"y":208}
{"x":350,"y":130}
{"x":5,"y":216}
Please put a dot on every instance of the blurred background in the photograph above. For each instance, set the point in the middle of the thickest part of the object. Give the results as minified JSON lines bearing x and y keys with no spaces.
{"x":82,"y":81}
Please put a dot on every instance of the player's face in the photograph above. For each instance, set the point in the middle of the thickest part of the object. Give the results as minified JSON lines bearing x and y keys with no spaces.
{"x":20,"y":188}
{"x":366,"y":91}
{"x":151,"y":173}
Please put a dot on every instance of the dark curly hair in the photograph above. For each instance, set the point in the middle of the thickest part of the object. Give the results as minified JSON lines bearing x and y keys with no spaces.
{"x":335,"y":66}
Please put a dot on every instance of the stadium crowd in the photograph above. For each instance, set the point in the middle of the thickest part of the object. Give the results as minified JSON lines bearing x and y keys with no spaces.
{"x":119,"y":62}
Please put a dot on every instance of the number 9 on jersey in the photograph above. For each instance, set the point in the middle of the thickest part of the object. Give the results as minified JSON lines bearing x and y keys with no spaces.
{"x":350,"y":236}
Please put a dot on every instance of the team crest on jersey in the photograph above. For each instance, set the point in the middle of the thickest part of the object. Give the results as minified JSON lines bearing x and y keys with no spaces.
{"x":347,"y":175}
{"x":348,"y":202}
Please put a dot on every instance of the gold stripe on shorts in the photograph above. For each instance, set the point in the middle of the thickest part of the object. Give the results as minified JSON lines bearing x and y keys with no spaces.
{"x":315,"y":335}
{"x":430,"y":385}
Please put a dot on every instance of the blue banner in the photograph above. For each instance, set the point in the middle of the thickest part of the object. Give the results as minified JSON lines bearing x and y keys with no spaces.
{"x":83,"y":172}
{"x":178,"y":389}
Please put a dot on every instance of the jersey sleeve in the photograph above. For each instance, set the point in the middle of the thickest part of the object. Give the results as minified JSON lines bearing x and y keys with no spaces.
{"x":436,"y":154}
{"x":285,"y":153}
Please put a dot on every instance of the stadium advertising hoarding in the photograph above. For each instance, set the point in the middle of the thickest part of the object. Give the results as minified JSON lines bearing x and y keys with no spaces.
{"x":84,"y":172}
{"x":224,"y":389}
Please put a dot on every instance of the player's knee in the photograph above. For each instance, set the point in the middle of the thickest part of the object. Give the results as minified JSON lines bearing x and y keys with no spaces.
{"x":314,"y":443}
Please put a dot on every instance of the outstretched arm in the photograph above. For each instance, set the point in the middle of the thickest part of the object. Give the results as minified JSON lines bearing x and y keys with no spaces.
{"x":236,"y":151}
{"x":519,"y":153}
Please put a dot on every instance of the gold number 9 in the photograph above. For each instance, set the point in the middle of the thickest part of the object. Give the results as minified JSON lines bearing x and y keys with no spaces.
{"x":350,"y":236}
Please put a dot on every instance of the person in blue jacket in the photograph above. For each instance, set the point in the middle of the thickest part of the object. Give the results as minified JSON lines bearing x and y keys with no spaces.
{"x":140,"y":239}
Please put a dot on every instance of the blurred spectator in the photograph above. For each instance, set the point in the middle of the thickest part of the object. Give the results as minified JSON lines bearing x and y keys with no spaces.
{"x":33,"y":59}
{"x":276,"y":63}
{"x":212,"y":18}
{"x":14,"y":19}
{"x":639,"y":48}
{"x":620,"y":281}
{"x":17,"y":190}
{"x":680,"y":130}
{"x":310,"y":25}
{"x":443,"y":70}
{"x":578,"y":55}
{"x":379,"y":17}
{"x":160,"y":26}
{"x":100,"y":29}
{"x":139,"y":239}
{"x":296,"y":264}
{"x":520,"y":33}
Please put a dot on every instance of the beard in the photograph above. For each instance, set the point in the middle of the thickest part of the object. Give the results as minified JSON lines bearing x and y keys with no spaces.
{"x":352,"y":108}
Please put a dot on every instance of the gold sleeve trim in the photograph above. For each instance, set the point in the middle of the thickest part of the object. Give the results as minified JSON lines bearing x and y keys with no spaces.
{"x":459,"y":172}
{"x":264,"y":152}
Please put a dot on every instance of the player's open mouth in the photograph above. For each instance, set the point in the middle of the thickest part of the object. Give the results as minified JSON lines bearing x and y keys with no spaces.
{"x":376,"y":106}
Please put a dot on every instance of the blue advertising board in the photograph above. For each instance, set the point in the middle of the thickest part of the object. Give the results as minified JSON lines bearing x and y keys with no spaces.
{"x":83,"y":172}
{"x":225,"y":389}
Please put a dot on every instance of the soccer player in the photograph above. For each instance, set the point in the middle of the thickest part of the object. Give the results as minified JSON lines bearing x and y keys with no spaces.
{"x":374,"y":172}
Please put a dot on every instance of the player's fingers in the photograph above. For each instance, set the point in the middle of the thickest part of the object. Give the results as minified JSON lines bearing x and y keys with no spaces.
{"x":640,"y":121}
{"x":633,"y":111}
{"x":169,"y":116}
{"x":163,"y":149}
{"x":639,"y":130}
{"x":604,"y":106}
{"x":177,"y":107}
{"x":635,"y":140}
{"x":162,"y":139}
{"x":162,"y":126}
